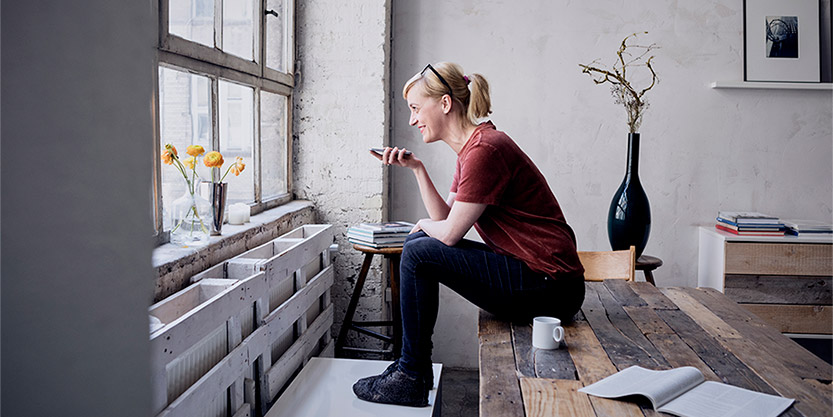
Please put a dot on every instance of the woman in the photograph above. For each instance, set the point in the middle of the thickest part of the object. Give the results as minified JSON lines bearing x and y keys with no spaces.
{"x":528,"y":266}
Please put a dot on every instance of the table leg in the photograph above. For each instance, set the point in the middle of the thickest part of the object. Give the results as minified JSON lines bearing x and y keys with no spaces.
{"x":351,"y":307}
{"x":397,"y":313}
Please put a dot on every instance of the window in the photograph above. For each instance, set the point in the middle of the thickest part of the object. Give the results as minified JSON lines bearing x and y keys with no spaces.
{"x":225,"y":82}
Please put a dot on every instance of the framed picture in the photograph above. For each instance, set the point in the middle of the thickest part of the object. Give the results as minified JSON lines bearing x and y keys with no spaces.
{"x":781,"y":40}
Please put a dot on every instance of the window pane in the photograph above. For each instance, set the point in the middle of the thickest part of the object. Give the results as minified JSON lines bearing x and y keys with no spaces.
{"x":192,"y":20}
{"x":273,"y":143}
{"x":275,"y":36}
{"x":237,"y":138}
{"x":239,"y":28}
{"x":184,"y":119}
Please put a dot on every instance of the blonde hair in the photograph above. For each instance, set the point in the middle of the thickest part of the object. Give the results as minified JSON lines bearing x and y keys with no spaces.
{"x":473,"y":93}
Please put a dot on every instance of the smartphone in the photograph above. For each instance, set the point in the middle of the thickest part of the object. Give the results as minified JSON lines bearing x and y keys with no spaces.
{"x":380,"y":151}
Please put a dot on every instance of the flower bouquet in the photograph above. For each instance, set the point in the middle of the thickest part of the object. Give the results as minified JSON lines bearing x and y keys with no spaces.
{"x":191,"y":213}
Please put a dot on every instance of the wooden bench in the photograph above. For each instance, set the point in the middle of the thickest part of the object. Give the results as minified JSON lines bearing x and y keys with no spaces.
{"x":237,"y":335}
{"x":633,"y":323}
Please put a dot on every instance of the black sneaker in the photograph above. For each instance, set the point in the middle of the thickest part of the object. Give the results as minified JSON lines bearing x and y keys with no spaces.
{"x":393,"y":387}
{"x":428,"y":376}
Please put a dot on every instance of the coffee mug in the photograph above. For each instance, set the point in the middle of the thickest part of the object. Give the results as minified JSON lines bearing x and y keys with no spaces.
{"x":547,"y":332}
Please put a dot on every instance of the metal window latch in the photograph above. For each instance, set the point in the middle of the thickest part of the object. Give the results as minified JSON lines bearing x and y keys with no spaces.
{"x":272,"y":12}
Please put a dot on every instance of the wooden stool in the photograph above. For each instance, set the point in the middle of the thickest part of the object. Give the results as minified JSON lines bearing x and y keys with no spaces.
{"x":647,"y":264}
{"x":393,"y":255}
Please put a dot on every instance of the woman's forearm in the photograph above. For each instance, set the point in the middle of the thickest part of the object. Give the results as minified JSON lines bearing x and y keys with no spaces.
{"x":434,"y":202}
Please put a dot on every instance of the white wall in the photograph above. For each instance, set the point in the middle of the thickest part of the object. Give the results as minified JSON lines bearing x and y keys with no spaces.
{"x":76,"y":243}
{"x":702,"y":149}
{"x":340,"y":110}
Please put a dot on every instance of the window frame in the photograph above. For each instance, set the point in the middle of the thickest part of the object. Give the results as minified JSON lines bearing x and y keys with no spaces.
{"x":180,"y":54}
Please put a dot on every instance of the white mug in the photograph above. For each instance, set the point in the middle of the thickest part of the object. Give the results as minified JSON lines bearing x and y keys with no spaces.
{"x":547,"y":332}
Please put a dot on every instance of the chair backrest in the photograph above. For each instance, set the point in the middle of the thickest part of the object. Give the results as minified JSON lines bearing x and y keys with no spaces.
{"x":602,"y":265}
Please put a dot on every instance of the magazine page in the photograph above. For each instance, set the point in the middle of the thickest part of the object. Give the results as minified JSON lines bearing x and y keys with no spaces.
{"x":658,"y":386}
{"x":714,"y":399}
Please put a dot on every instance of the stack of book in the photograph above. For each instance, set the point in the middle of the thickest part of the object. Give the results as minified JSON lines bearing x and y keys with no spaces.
{"x":380,"y":235}
{"x":807,"y":227}
{"x":749,"y":223}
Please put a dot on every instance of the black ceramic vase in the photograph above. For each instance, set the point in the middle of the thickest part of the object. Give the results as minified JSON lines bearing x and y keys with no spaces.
{"x":629,"y":218}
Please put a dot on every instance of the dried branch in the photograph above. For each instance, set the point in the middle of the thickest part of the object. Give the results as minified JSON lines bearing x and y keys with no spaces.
{"x":621,"y":89}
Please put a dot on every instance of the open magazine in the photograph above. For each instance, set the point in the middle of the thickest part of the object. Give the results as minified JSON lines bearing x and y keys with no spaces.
{"x":685,"y":392}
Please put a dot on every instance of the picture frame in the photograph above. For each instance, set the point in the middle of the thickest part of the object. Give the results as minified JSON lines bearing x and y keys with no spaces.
{"x":781,"y":41}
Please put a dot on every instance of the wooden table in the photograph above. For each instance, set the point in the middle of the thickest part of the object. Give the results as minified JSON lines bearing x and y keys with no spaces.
{"x":633,"y":323}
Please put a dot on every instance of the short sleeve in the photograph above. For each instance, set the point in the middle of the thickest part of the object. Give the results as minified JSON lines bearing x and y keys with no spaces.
{"x":483,"y":176}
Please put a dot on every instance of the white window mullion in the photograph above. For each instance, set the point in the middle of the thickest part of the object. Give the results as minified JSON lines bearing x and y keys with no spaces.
{"x":256,"y":154}
{"x":218,"y":24}
{"x":215,"y":121}
{"x":158,"y":209}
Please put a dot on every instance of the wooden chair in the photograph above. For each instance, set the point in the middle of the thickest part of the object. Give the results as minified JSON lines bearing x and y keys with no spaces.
{"x":602,"y":265}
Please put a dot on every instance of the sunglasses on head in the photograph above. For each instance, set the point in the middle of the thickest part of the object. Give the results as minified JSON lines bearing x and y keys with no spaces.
{"x":440,"y":77}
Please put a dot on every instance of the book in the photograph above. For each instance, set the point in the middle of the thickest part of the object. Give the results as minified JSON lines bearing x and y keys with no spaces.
{"x":775,"y":225}
{"x":752,"y":228}
{"x":807,"y":226}
{"x":387,"y":227}
{"x":748,"y":217}
{"x":378,"y":239}
{"x":748,"y":232}
{"x":684,"y":392}
{"x":375,"y":245}
{"x":365,"y":234}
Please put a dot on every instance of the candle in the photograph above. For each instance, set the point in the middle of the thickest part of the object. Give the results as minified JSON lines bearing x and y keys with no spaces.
{"x":238,"y":213}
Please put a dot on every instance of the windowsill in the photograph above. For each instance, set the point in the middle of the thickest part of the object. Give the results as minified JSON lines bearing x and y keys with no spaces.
{"x":175,"y":265}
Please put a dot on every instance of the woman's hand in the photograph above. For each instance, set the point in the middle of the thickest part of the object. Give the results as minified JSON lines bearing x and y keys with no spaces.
{"x":396,"y":156}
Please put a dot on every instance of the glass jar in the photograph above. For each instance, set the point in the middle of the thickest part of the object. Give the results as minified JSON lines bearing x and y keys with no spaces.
{"x":191,"y":220}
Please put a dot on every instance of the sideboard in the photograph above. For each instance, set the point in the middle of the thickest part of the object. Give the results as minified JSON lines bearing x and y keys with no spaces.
{"x":785,"y":280}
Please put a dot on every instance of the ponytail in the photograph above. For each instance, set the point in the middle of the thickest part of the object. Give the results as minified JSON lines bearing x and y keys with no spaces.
{"x":480,"y":102}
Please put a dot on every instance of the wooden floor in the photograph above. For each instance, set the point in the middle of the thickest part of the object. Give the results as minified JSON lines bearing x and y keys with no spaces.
{"x":623,"y":324}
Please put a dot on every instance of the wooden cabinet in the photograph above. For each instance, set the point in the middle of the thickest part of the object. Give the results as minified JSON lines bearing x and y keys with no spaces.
{"x":784,"y":280}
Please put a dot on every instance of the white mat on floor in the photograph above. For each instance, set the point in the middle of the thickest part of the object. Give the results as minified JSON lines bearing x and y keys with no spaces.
{"x":324,"y":387}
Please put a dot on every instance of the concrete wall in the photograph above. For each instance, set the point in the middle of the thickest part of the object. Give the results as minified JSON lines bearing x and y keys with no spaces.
{"x":702,"y":149}
{"x":340,"y":110}
{"x":76,"y":242}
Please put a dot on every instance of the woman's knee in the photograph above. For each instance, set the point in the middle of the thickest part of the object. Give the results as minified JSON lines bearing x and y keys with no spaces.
{"x":420,"y":247}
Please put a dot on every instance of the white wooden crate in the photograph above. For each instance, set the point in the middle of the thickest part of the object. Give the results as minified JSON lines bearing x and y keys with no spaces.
{"x":215,"y":352}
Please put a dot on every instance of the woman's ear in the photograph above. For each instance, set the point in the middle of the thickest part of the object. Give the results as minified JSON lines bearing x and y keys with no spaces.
{"x":445,"y":101}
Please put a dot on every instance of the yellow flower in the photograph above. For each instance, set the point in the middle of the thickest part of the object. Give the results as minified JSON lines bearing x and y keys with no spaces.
{"x":195,"y":150}
{"x":213,"y":159}
{"x":168,"y":154}
{"x":237,"y":167}
{"x":189,"y":161}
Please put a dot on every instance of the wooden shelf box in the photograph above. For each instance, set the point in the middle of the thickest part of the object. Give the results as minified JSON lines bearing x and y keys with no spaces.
{"x":784,"y":280}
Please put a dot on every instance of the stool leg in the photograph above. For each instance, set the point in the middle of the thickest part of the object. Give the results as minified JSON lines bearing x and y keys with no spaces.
{"x":649,"y":276}
{"x":351,"y":307}
{"x":397,"y":313}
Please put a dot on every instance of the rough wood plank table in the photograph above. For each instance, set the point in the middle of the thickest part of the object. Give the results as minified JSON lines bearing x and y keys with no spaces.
{"x":633,"y":323}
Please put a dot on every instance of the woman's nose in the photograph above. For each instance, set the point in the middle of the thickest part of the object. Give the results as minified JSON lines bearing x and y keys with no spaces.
{"x":412,"y":121}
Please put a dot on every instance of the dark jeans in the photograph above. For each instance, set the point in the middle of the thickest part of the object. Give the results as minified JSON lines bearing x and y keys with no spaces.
{"x":499,"y":284}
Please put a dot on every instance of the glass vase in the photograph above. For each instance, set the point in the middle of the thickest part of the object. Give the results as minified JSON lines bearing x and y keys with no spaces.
{"x":191,"y":218}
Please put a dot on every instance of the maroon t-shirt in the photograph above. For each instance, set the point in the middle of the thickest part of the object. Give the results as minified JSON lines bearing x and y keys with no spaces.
{"x":523,"y":219}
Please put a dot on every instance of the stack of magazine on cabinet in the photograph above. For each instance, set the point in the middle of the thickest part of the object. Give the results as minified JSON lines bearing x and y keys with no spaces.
{"x":380,"y":235}
{"x":745,"y":223}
